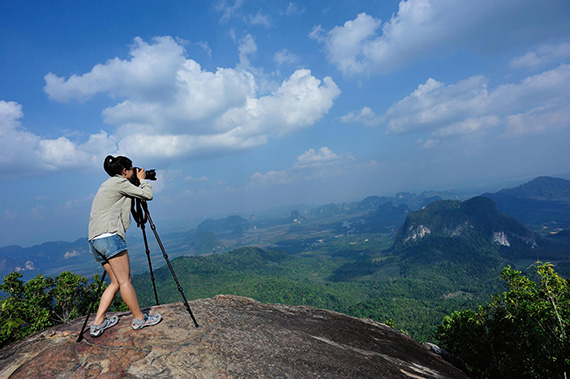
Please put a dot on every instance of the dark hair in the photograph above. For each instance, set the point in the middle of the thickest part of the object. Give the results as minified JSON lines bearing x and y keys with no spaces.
{"x":115,"y":165}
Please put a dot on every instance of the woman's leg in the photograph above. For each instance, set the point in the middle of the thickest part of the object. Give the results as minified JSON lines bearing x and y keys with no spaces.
{"x":108,"y":295}
{"x":121,"y":267}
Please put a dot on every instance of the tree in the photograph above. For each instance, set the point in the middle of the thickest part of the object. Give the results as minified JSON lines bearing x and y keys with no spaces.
{"x":522,"y":333}
{"x":43,"y":302}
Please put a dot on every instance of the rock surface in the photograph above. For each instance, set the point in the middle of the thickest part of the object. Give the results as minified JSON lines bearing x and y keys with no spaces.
{"x":237,"y":338}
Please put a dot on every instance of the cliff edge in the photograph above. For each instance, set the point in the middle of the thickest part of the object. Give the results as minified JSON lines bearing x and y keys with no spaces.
{"x":237,"y":337}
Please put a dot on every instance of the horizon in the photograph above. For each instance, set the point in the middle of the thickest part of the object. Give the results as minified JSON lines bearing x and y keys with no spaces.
{"x":175,"y":226}
{"x":243,"y":106}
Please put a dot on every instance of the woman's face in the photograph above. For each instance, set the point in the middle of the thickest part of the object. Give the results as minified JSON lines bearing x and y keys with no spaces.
{"x":127,"y":173}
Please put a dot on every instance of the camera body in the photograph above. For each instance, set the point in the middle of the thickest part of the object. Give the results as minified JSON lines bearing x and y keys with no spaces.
{"x":150,"y":175}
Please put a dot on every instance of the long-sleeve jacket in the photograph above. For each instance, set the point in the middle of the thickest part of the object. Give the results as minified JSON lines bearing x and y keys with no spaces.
{"x":110,"y":211}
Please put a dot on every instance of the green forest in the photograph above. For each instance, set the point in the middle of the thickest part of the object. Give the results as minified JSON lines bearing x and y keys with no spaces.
{"x":381,"y":285}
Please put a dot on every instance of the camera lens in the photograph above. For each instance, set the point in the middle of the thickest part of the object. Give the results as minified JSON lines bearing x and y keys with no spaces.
{"x":151,"y":174}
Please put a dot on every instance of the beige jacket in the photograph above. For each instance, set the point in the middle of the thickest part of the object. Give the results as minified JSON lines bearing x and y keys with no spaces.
{"x":111,"y":208}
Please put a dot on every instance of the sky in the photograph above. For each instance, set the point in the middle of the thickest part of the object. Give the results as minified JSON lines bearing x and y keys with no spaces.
{"x":246,"y":105}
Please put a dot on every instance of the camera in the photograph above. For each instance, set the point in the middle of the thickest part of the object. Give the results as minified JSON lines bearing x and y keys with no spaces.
{"x":150,"y":175}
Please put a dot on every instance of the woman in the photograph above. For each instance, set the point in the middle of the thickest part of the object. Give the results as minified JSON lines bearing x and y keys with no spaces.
{"x":109,"y":220}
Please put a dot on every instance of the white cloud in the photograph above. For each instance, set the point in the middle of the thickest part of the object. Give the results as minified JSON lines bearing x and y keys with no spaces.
{"x":469,"y":106}
{"x":426,"y":28}
{"x":260,"y":19}
{"x":24,"y":153}
{"x":285,"y":56}
{"x":201,"y":179}
{"x":228,"y":11}
{"x":292,"y":9}
{"x":536,"y":121}
{"x":168,"y":106}
{"x":344,"y":44}
{"x":151,"y":73}
{"x":247,"y":47}
{"x":204,"y":46}
{"x":468,"y":126}
{"x":272,"y":177}
{"x":434,"y":104}
{"x":542,"y":56}
{"x":312,"y":158}
{"x":365,"y":116}
{"x":231,"y":10}
{"x":309,"y":165}
{"x":17,"y":144}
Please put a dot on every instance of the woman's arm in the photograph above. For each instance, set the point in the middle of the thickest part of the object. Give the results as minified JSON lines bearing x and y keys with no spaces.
{"x":143,"y":192}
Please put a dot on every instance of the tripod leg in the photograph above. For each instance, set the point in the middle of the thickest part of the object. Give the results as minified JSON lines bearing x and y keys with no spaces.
{"x":153,"y":227}
{"x":91,"y":308}
{"x":149,"y":263}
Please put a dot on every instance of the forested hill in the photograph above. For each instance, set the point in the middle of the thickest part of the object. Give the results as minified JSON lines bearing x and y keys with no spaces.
{"x":541,"y":203}
{"x":478,"y":217}
{"x":541,"y":188}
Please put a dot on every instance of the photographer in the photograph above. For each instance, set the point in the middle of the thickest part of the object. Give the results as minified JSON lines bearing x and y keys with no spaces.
{"x":109,"y":220}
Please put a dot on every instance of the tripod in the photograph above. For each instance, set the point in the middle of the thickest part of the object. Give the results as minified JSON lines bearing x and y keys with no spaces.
{"x":141,"y":221}
{"x":141,"y":218}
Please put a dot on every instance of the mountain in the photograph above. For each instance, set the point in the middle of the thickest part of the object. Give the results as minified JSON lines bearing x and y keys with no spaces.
{"x":541,"y":188}
{"x":237,"y":338}
{"x":541,"y":203}
{"x":50,"y":258}
{"x":478,"y":217}
{"x":234,"y":224}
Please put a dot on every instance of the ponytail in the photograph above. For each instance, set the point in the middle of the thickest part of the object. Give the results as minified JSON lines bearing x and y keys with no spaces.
{"x":115,"y":165}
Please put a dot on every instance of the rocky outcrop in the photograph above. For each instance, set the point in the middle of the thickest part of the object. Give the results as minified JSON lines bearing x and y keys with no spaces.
{"x":417,"y":232}
{"x":237,"y":338}
{"x":501,"y":239}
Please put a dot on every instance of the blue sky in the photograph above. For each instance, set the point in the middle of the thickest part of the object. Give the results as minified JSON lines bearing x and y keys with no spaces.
{"x":245,"y":105}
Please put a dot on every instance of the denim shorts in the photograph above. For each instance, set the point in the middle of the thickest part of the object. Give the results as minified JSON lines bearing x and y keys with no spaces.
{"x":106,"y":248}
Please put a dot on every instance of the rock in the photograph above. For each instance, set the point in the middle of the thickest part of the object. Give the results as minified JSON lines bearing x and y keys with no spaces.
{"x":237,"y":338}
{"x":445,"y":355}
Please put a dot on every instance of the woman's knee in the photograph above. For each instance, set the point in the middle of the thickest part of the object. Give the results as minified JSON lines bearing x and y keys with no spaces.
{"x":114,"y":286}
{"x":125,"y":282}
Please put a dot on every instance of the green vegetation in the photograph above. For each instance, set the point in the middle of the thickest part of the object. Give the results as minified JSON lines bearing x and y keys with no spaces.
{"x":355,"y":275}
{"x":43,"y":302}
{"x":522,"y":333}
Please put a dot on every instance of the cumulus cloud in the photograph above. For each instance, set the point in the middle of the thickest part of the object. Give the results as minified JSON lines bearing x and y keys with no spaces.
{"x":424,"y":28}
{"x":309,"y":165}
{"x":24,"y":152}
{"x":365,"y":116}
{"x":150,"y":73}
{"x":538,"y":103}
{"x":311,"y":158}
{"x":168,"y":106}
{"x":17,"y":144}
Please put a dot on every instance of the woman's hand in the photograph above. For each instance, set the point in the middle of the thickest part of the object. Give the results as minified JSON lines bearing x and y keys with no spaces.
{"x":141,"y":173}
